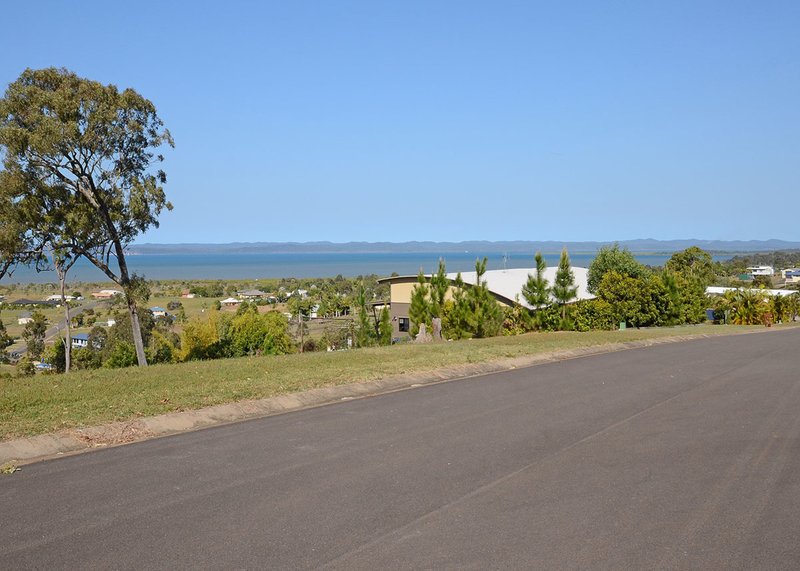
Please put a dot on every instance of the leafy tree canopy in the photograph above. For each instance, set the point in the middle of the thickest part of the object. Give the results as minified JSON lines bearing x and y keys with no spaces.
{"x":79,"y":156}
{"x":613,"y":258}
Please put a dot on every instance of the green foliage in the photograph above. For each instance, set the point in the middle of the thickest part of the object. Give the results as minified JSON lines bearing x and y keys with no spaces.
{"x":80,"y":155}
{"x":455,"y":323}
{"x":123,"y":354}
{"x":56,"y":356}
{"x":419,"y":310}
{"x":762,"y":282}
{"x":613,"y":258}
{"x":536,"y":291}
{"x":591,"y":314}
{"x":366,"y":334}
{"x":564,"y":289}
{"x":25,"y":367}
{"x":439,"y":284}
{"x":517,"y":320}
{"x":86,"y":358}
{"x":200,"y":338}
{"x":747,"y":306}
{"x":5,"y":341}
{"x":630,"y":300}
{"x":694,"y":264}
{"x":161,"y":348}
{"x":385,"y":327}
{"x":484,"y":315}
{"x":34,"y":333}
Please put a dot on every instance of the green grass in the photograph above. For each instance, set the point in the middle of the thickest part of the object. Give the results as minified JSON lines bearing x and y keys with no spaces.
{"x":47,"y":403}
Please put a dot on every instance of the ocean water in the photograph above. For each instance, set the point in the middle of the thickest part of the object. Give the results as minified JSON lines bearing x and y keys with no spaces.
{"x":259,"y":265}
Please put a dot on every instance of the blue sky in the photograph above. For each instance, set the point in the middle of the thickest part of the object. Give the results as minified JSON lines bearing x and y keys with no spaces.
{"x":445,"y":120}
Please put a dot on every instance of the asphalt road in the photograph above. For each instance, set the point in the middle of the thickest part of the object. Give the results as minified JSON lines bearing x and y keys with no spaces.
{"x":681,"y":456}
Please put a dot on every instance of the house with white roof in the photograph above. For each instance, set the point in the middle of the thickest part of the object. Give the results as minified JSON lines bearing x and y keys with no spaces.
{"x":505,"y":285}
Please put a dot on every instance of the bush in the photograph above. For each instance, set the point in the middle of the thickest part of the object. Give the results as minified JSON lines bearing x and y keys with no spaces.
{"x":122,"y":355}
{"x":25,"y":367}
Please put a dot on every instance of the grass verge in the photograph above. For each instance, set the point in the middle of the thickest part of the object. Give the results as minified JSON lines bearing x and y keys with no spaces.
{"x":48,"y":403}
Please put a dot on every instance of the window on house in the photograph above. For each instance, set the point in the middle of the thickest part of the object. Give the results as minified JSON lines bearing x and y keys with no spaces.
{"x":404,"y":324}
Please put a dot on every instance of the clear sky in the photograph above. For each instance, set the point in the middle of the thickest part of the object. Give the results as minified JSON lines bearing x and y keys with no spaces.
{"x":450,"y":120}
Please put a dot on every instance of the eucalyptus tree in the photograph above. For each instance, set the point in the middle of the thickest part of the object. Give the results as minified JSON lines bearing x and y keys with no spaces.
{"x":98,"y":145}
{"x":39,"y":232}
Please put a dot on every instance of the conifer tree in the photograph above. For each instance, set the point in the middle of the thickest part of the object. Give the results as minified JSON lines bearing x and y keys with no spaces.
{"x":564,"y":289}
{"x":438,"y":290}
{"x":365,"y":332}
{"x":456,"y":324}
{"x":419,"y":310}
{"x":486,"y":317}
{"x":536,"y":290}
{"x":385,"y":327}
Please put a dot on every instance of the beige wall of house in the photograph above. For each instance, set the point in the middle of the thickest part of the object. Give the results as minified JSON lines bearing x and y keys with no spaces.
{"x":400,"y":290}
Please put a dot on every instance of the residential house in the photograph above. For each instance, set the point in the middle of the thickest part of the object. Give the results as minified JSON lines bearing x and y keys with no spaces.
{"x":80,"y":340}
{"x":158,"y":312}
{"x":761,"y":271}
{"x":106,"y":293}
{"x":57,"y":298}
{"x":505,"y":285}
{"x":251,"y":294}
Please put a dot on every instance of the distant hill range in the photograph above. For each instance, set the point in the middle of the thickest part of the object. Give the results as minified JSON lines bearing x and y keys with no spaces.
{"x":517,"y":246}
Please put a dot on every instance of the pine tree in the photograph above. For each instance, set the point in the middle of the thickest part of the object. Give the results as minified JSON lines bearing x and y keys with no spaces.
{"x":385,"y":327}
{"x":486,"y":315}
{"x":456,"y":323}
{"x":564,"y":289}
{"x":365,"y":333}
{"x":536,"y":291}
{"x":419,"y":310}
{"x":438,"y":290}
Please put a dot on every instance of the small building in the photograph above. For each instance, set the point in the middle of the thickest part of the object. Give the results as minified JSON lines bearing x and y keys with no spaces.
{"x":791,"y":275}
{"x":230,"y":302}
{"x":251,"y":294}
{"x":106,"y":293}
{"x":57,"y":298}
{"x":158,"y":311}
{"x":24,"y":318}
{"x":80,"y":340}
{"x":761,"y":271}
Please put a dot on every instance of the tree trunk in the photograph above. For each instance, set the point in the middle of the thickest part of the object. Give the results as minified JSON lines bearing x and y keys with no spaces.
{"x":133,"y":311}
{"x":124,"y":277}
{"x":62,"y":279}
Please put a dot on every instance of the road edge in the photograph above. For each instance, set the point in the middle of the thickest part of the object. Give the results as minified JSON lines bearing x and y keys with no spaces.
{"x":31,"y":449}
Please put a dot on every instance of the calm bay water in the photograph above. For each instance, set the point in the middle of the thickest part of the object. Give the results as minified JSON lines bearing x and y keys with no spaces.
{"x":253,"y":266}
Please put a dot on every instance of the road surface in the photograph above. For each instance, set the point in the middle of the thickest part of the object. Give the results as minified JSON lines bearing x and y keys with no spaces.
{"x":680,"y":456}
